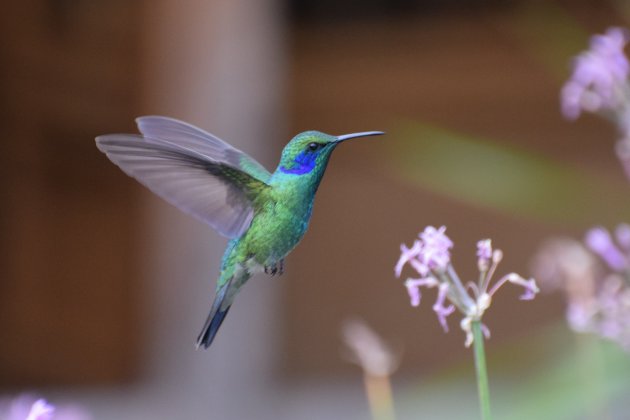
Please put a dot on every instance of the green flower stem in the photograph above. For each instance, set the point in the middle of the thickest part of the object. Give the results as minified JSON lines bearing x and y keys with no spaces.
{"x":482,"y":372}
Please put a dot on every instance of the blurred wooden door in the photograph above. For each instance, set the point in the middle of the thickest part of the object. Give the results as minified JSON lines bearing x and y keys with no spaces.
{"x":67,"y":290}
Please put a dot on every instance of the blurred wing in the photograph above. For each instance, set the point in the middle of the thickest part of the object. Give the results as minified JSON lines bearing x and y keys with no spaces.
{"x":194,"y":138}
{"x":188,"y":176}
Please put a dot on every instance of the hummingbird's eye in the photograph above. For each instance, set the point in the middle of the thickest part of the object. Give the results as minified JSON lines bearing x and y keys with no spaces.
{"x":313,"y":146}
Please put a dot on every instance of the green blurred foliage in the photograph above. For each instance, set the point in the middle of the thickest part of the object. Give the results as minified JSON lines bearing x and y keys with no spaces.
{"x":486,"y":173}
{"x":552,"y":374}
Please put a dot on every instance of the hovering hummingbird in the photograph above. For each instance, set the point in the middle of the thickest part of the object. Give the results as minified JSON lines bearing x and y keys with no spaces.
{"x":265,"y":215}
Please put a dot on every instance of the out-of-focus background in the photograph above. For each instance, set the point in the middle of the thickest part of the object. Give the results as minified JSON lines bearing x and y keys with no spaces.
{"x":103,"y":287}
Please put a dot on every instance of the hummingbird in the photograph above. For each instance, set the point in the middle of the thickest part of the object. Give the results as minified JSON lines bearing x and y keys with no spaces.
{"x":264,"y":215}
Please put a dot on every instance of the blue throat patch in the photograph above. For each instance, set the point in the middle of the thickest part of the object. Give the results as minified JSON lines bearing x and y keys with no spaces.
{"x":303,"y":163}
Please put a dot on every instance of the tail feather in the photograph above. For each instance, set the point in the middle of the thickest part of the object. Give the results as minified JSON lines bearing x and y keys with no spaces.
{"x":215,"y":319}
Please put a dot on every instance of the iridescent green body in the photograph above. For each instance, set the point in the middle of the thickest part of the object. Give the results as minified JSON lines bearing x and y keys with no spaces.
{"x":265,"y":215}
{"x":282,"y":211}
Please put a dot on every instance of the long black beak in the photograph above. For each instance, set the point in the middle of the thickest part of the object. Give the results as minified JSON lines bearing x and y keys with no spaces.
{"x":363,"y":134}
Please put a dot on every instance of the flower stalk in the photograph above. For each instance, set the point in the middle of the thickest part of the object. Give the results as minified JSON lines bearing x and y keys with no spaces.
{"x":378,"y":361}
{"x":379,"y":394}
{"x":430,"y":257}
{"x":482,"y":372}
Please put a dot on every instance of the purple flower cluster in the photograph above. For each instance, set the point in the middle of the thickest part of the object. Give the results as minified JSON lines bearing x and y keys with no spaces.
{"x":599,"y":84}
{"x":599,"y":76}
{"x":430,"y":258}
{"x":595,"y":277}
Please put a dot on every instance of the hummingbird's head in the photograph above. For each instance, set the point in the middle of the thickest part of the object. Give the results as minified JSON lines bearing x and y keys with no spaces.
{"x":311,"y":149}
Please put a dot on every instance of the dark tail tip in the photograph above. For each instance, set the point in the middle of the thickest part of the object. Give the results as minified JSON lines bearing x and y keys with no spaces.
{"x":210,"y":328}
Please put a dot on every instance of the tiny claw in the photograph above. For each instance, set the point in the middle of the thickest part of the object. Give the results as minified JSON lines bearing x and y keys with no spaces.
{"x":275,"y":268}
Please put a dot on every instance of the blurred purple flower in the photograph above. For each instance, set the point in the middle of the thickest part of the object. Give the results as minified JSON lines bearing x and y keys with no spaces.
{"x":407,"y":255}
{"x":28,"y":407}
{"x":600,"y":242}
{"x":413,"y":288}
{"x":599,"y":74}
{"x":435,"y":253}
{"x":530,"y":289}
{"x":430,"y":258}
{"x":595,"y":281}
{"x":599,"y":84}
{"x":484,"y":253}
{"x":41,"y":410}
{"x":441,"y":310}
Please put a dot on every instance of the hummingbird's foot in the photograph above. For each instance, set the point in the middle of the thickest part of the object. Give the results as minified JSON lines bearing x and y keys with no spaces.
{"x":276,"y":268}
{"x":271,"y":269}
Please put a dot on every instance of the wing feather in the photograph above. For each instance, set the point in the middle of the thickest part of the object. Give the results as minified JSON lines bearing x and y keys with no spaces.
{"x":194,"y":138}
{"x":189,"y":171}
